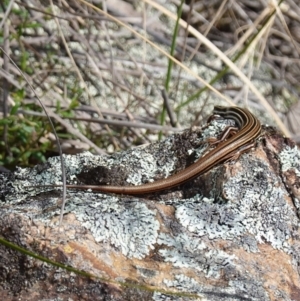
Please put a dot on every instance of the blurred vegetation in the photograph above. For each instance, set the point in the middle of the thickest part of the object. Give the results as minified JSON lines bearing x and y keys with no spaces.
{"x":102,"y":83}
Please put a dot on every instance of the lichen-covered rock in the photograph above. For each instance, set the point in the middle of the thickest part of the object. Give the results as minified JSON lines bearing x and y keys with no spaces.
{"x":230,"y":234}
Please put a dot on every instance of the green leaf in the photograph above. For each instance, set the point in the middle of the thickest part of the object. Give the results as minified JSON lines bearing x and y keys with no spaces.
{"x":33,"y":25}
{"x":5,"y":121}
{"x":15,"y":108}
{"x":74,"y":104}
{"x":24,"y":60}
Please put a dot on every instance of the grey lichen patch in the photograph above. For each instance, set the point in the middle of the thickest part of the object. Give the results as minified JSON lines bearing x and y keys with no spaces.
{"x":213,"y":129}
{"x":148,"y":164}
{"x":290,"y":158}
{"x":50,"y":173}
{"x":158,"y":296}
{"x":247,"y":290}
{"x":249,"y":243}
{"x":260,"y":198}
{"x":208,"y":218}
{"x":128,"y":225}
{"x":184,"y":283}
{"x":184,"y":251}
{"x":255,"y":205}
{"x":36,"y":209}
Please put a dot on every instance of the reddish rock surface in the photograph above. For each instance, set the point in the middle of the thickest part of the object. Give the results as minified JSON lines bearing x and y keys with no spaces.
{"x":230,"y":234}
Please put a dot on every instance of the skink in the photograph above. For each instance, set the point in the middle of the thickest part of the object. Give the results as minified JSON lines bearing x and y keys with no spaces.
{"x":249,"y":129}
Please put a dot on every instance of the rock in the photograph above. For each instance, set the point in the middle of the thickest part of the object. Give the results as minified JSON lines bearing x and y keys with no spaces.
{"x":229,"y":234}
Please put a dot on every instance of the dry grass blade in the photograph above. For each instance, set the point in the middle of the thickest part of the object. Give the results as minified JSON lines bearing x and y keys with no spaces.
{"x":229,"y":63}
{"x":7,"y":12}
